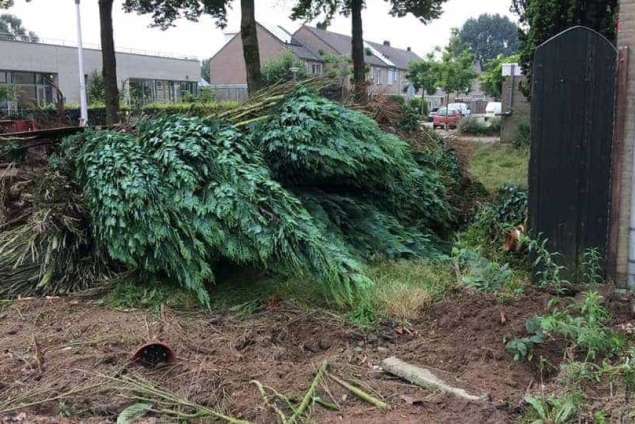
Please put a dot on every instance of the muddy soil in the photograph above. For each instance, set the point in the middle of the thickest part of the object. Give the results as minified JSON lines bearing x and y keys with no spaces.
{"x":56,"y":345}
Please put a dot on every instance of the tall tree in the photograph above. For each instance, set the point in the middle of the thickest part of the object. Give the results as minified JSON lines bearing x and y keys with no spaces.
{"x":423,"y":75}
{"x":5,"y":4}
{"x":109,"y":62}
{"x":490,"y":36}
{"x":11,"y":28}
{"x":251,"y":52}
{"x":165,"y":12}
{"x":492,"y":79}
{"x":453,"y":72}
{"x":544,"y":19}
{"x":424,"y":10}
{"x":205,"y":70}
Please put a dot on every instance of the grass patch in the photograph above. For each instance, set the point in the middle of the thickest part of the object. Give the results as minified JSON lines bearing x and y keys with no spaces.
{"x":404,"y":288}
{"x":497,"y":164}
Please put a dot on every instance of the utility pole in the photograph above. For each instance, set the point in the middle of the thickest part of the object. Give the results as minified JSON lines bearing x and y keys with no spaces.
{"x":83,"y":121}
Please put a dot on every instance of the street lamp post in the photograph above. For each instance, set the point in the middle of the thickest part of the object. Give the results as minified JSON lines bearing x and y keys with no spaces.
{"x":82,"y":79}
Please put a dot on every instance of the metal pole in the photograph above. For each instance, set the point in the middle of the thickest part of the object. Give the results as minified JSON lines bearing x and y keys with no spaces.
{"x":82,"y":79}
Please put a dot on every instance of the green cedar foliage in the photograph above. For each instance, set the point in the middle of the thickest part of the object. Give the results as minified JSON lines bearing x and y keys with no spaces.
{"x":312,"y":191}
{"x":313,"y":142}
{"x":188,"y":193}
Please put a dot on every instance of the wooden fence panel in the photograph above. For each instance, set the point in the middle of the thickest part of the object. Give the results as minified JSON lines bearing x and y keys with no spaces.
{"x":573,"y":98}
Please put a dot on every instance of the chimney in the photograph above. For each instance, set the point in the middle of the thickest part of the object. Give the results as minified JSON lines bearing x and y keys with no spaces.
{"x":409,"y":48}
{"x":387,"y":43}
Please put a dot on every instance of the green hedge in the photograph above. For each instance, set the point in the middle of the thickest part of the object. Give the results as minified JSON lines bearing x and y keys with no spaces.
{"x":191,"y":109}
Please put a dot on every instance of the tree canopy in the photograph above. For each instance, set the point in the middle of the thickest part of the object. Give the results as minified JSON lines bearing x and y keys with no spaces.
{"x":547,"y":18}
{"x":423,"y":74}
{"x":490,"y":36}
{"x":165,"y":12}
{"x":424,"y":10}
{"x":492,"y":79}
{"x":5,"y":4}
{"x":11,"y":28}
{"x":453,"y":72}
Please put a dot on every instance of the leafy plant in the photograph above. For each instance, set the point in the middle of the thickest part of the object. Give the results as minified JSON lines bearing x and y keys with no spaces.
{"x":522,"y":139}
{"x":554,"y":410}
{"x":583,"y":325}
{"x":286,"y":67}
{"x":522,"y":348}
{"x":548,"y":271}
{"x":479,"y":272}
{"x":591,"y":266}
{"x":476,"y":127}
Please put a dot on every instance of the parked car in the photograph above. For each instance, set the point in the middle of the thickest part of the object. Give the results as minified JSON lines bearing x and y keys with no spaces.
{"x":463,"y":108}
{"x":493,"y":109}
{"x":447,"y":118}
{"x":433,"y":112}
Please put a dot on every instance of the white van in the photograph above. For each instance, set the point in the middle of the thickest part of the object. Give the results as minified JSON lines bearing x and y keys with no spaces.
{"x":493,"y":109}
{"x":463,"y":108}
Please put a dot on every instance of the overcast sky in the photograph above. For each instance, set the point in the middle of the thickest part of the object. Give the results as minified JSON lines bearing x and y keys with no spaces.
{"x":55,"y":20}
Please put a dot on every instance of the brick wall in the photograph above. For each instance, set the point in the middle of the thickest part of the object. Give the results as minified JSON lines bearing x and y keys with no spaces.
{"x":228,"y":65}
{"x":516,"y":106}
{"x":624,"y":165}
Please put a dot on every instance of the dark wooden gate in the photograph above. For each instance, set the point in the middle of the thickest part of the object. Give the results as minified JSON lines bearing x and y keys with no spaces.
{"x":573,"y":98}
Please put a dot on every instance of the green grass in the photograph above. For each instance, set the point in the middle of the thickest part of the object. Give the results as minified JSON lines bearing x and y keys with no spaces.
{"x":498,"y":164}
{"x":402,"y":290}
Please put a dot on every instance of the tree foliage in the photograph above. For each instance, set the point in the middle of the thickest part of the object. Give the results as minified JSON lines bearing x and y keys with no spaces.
{"x":424,"y":10}
{"x":11,"y":28}
{"x":423,"y":74}
{"x":313,"y":190}
{"x":547,"y":18}
{"x":166,"y":12}
{"x":5,"y":4}
{"x":96,"y":88}
{"x":453,"y":72}
{"x":286,"y":67}
{"x":492,"y":78}
{"x":490,"y":36}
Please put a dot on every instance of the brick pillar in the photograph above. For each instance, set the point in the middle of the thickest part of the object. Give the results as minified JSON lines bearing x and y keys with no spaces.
{"x":623,"y":151}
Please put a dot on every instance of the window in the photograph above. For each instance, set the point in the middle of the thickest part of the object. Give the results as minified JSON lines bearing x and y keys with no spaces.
{"x":141,"y":92}
{"x":377,"y":76}
{"x":391,"y":76}
{"x":30,"y":89}
{"x":316,"y":68}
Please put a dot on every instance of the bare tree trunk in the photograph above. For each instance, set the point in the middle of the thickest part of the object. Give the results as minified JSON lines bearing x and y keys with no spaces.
{"x":359,"y":67}
{"x":109,"y":62}
{"x":251,"y":53}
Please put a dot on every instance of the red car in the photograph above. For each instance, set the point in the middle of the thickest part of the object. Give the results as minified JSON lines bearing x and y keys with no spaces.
{"x":447,"y":118}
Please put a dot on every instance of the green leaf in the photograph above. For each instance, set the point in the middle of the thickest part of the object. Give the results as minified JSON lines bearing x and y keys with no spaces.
{"x":133,"y":413}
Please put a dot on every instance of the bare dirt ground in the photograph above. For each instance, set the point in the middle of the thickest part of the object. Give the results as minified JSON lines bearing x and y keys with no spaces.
{"x":57,"y":345}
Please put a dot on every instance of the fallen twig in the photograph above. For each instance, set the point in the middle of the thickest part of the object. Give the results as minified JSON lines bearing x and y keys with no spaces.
{"x":360,"y":393}
{"x":309,"y":397}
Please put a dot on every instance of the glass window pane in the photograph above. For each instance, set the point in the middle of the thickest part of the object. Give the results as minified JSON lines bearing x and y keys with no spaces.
{"x":24,"y":77}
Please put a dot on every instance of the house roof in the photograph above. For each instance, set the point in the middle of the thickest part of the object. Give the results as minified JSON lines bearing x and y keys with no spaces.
{"x":381,"y":55}
{"x":401,"y":58}
{"x":287,"y":38}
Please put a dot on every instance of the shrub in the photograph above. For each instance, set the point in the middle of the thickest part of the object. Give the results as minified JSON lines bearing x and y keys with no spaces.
{"x":522,"y":139}
{"x":279,"y":70}
{"x":190,"y":109}
{"x":419,"y":104}
{"x":411,"y":119}
{"x":584,"y":325}
{"x":476,"y":127}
